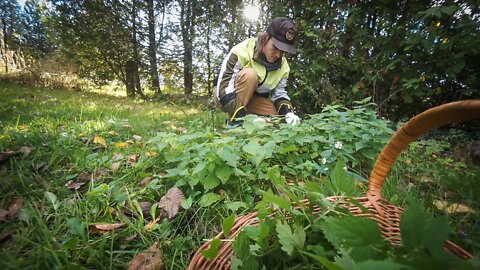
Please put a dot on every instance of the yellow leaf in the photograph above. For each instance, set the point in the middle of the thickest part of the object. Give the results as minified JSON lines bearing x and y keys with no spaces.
{"x":101,"y":141}
{"x":438,"y":24}
{"x":453,"y":208}
{"x":152,"y":223}
{"x":122,"y":145}
{"x":22,"y":127}
{"x":113,"y":133}
{"x":151,"y":154}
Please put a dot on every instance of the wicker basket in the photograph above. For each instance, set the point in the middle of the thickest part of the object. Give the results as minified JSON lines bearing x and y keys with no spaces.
{"x":386,"y":214}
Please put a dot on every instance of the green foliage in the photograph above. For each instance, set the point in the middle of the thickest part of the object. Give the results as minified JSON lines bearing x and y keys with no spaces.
{"x":221,"y":175}
{"x":406,"y":57}
{"x":338,"y":241}
{"x":289,"y":240}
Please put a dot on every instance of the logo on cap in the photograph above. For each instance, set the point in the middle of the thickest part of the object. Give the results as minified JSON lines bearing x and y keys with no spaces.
{"x":289,"y":35}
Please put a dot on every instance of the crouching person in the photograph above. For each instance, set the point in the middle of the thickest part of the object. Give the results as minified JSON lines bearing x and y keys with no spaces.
{"x":253,"y":76}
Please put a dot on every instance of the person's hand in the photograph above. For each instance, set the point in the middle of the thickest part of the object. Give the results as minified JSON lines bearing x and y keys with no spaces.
{"x":262,"y":120}
{"x":292,"y":119}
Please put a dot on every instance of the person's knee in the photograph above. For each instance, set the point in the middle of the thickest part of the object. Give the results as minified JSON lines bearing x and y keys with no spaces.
{"x":248,"y":74}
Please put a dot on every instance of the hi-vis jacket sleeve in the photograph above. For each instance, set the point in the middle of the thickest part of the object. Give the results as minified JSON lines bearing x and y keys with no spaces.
{"x":280,"y":97}
{"x":228,"y":73}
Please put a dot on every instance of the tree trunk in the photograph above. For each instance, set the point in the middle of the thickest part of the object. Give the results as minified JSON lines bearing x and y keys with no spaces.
{"x":187,"y":17}
{"x":5,"y":44}
{"x":136,"y":58}
{"x":209,"y":61}
{"x":152,"y":48}
{"x":130,"y":68}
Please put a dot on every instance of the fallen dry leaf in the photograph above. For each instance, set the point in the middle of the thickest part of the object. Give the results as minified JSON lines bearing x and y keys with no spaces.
{"x":115,"y":166}
{"x":137,"y":138}
{"x":113,"y":133}
{"x":101,"y":141}
{"x":26,"y":150}
{"x":14,"y":207}
{"x":130,"y":238}
{"x":145,"y":207}
{"x":171,"y":201}
{"x":105,"y":227}
{"x":132,"y":159}
{"x":40,"y":167}
{"x":72,"y":185}
{"x":148,"y":260}
{"x":427,"y":180}
{"x":145,"y":181}
{"x":3,"y":214}
{"x":453,"y":208}
{"x":117,"y":157}
{"x":126,"y":124}
{"x":4,"y":156}
{"x":87,"y":177}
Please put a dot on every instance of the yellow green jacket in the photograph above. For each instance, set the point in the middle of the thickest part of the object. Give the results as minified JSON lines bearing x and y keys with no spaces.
{"x":272,"y":78}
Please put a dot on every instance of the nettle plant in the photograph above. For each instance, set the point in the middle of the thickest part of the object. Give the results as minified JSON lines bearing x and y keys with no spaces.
{"x":233,"y":166}
{"x":291,"y":235}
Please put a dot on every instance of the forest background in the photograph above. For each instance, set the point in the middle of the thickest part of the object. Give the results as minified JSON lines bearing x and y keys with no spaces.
{"x":406,"y":55}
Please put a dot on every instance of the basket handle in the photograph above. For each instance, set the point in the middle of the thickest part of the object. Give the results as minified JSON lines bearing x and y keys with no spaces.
{"x":450,"y":113}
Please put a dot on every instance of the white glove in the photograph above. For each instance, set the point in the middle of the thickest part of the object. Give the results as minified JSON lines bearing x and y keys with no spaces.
{"x":292,"y":119}
{"x":262,"y":120}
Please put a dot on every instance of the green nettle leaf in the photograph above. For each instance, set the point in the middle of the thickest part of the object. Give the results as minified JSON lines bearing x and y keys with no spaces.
{"x":211,"y":181}
{"x":241,"y":247}
{"x":313,"y":187}
{"x":259,"y":152}
{"x":273,"y":174}
{"x":289,"y":240}
{"x":360,"y":237}
{"x":76,"y":226}
{"x":200,"y":167}
{"x":287,"y":149}
{"x":209,"y":199}
{"x":251,"y":231}
{"x":326,"y":154}
{"x":236,"y":263}
{"x":278,"y":201}
{"x":234,"y":206}
{"x":212,"y":252}
{"x":341,"y":182}
{"x":187,"y":203}
{"x":420,"y":230}
{"x":52,"y":198}
{"x":251,"y":147}
{"x":223,"y":173}
{"x":228,"y":155}
{"x":227,"y":225}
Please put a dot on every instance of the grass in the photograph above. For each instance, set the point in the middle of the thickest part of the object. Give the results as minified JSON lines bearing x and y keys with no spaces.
{"x":56,"y":130}
{"x":56,"y":136}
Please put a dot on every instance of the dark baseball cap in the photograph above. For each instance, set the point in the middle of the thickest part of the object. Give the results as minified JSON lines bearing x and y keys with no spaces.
{"x":283,"y":33}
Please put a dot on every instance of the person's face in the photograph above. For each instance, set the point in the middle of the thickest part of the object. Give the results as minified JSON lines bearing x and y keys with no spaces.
{"x":271,"y":52}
